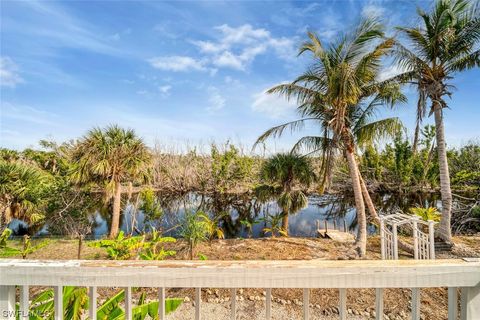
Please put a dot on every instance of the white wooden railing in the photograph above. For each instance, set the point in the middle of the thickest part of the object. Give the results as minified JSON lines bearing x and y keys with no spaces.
{"x":414,"y":274}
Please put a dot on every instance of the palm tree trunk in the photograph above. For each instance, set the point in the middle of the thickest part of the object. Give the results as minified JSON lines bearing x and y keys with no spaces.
{"x":361,"y":240}
{"x":444,"y":232}
{"x":368,"y":200}
{"x":285,"y":222}
{"x":116,"y":210}
{"x":416,"y":137}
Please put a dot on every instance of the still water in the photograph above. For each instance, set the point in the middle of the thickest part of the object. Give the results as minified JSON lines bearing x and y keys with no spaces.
{"x":230,"y":210}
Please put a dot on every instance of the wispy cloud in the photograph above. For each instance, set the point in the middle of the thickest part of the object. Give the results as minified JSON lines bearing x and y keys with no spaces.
{"x":9,"y":73}
{"x":216,"y":100}
{"x":27,"y":114}
{"x":272,"y":105}
{"x":177,"y":63}
{"x":373,"y":11}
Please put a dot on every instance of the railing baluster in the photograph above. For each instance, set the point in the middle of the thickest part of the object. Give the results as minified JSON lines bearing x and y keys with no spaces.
{"x":306,"y":303}
{"x":452,"y":303}
{"x":92,"y":305}
{"x":470,"y":303}
{"x":395,"y":242}
{"x":161,"y":303}
{"x":7,"y":302}
{"x":128,"y":303}
{"x":415,"y":303}
{"x":198,"y":302}
{"x":233,"y":305}
{"x":268,"y":304}
{"x":379,"y":303}
{"x":24,"y":302}
{"x":342,"y":304}
{"x":58,"y":302}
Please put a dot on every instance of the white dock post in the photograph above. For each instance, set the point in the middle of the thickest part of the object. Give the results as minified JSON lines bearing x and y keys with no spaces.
{"x":395,"y":242}
{"x":306,"y":303}
{"x":343,"y":304}
{"x":416,"y":303}
{"x":233,"y":305}
{"x":431,"y":236}
{"x":382,"y":237}
{"x":128,"y":303}
{"x":415,"y":237}
{"x":470,"y":303}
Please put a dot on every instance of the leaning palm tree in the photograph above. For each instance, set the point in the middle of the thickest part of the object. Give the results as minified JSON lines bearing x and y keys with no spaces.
{"x":110,"y":157}
{"x":339,"y":93}
{"x":446,"y":42}
{"x":285,"y":176}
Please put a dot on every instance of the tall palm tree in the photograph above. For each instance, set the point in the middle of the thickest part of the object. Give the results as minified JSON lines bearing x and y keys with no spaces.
{"x":110,"y":157}
{"x":340,"y":93}
{"x":446,"y":42}
{"x":285,"y":176}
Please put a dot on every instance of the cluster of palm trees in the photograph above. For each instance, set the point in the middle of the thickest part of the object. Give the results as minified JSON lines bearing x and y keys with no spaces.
{"x":342,"y":90}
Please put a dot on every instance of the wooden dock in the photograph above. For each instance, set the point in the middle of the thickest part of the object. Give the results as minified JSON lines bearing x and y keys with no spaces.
{"x":333,"y":233}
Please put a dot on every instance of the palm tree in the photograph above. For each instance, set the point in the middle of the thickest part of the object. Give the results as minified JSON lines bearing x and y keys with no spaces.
{"x":23,"y":192}
{"x":340,"y":93}
{"x":445,"y":43}
{"x":110,"y":157}
{"x":284,"y":174}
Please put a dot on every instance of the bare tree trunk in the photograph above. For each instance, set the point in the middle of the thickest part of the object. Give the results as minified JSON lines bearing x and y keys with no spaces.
{"x":361,"y":240}
{"x":368,"y":200}
{"x":80,"y":244}
{"x":116,"y":210}
{"x":444,"y":232}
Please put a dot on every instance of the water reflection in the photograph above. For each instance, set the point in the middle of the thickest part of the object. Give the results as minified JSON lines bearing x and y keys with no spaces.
{"x":232,"y":209}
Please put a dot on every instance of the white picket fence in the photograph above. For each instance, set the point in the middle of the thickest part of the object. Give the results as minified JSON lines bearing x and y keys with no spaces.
{"x":312,"y":274}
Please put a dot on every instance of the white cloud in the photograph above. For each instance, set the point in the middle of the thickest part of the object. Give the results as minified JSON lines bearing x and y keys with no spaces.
{"x":165,"y":89}
{"x":389,"y":72}
{"x":9,"y":76}
{"x":372,"y":11}
{"x":272,"y":105}
{"x":237,"y":48}
{"x":216,"y":100}
{"x":177,"y":63}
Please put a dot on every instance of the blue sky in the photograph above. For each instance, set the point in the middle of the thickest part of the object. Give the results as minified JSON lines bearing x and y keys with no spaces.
{"x":177,"y":71}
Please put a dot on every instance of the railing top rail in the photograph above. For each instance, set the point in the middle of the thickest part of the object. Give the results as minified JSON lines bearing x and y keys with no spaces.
{"x":244,"y":274}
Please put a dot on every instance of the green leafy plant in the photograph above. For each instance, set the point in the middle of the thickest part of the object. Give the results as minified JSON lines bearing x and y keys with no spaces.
{"x":426,"y":214}
{"x":249,"y":226}
{"x":4,"y":237}
{"x":195,"y":228}
{"x":275,"y":225}
{"x":24,"y":251}
{"x":76,"y":302}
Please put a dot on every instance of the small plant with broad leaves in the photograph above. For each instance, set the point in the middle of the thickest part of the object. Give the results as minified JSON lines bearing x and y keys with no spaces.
{"x":76,"y":303}
{"x":426,"y":214}
{"x":274,"y":223}
{"x":195,"y":227}
{"x":25,"y":249}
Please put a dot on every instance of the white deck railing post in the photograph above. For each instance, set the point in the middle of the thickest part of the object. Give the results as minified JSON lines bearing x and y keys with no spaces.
{"x":416,"y":303}
{"x":161,"y":303}
{"x":342,"y":306}
{"x":379,"y":303}
{"x":198,"y":302}
{"x":92,"y":303}
{"x":128,"y":303}
{"x":452,"y":303}
{"x":268,"y":304}
{"x":24,"y":302}
{"x":470,"y":303}
{"x":306,"y":304}
{"x":7,"y":302}
{"x":233,"y":304}
{"x":58,"y":302}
